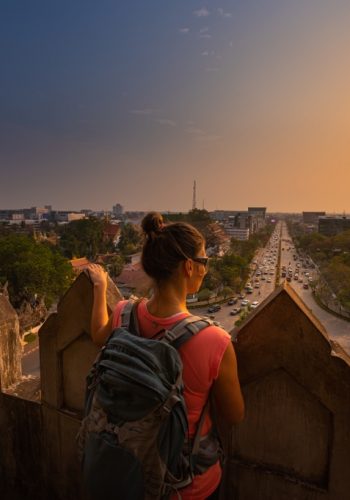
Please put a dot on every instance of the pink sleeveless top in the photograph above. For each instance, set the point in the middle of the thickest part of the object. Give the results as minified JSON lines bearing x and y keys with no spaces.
{"x":201,"y":357}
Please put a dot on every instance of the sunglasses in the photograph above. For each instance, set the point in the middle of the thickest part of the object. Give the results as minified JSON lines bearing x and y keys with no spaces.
{"x":202,"y":260}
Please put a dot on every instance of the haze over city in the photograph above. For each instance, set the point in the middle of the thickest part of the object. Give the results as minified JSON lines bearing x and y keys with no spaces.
{"x":105,"y":102}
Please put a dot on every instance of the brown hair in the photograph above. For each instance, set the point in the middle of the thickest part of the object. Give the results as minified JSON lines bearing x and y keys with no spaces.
{"x":166,"y":245}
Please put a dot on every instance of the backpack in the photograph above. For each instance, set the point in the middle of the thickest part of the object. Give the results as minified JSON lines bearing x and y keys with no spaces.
{"x":134,"y":441}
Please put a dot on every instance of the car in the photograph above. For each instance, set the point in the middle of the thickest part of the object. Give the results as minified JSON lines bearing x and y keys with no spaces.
{"x":289,"y":279}
{"x":242,"y":296}
{"x":268,"y":280}
{"x":300,"y":280}
{"x":245,"y":302}
{"x":211,"y":309}
{"x":306,"y":286}
{"x":231,"y":302}
{"x":216,"y":308}
{"x":257,"y":285}
{"x":234,"y":311}
{"x":254,"y":304}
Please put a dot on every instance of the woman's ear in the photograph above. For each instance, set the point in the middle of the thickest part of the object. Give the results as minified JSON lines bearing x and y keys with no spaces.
{"x":188,"y":267}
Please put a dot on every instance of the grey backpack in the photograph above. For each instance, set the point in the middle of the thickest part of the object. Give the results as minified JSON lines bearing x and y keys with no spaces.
{"x":134,"y":440}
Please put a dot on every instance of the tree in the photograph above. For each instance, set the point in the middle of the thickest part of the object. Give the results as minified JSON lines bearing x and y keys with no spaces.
{"x":115,"y":265}
{"x":33,"y":269}
{"x":204,"y":294}
{"x":83,"y":238}
{"x":130,"y":239}
{"x":227,"y":291}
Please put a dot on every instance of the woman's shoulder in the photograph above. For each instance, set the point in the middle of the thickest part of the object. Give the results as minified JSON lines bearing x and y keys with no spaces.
{"x":215,"y":331}
{"x":212,"y":336}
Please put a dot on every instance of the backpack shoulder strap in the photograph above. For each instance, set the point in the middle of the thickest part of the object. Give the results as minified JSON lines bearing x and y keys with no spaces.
{"x":129,"y":317}
{"x":185,"y":329}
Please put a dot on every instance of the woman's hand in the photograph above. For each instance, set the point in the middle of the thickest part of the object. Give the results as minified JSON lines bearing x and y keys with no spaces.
{"x":101,"y":325}
{"x":98,"y":276}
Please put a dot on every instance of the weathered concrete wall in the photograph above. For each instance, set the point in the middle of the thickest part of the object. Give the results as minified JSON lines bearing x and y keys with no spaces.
{"x":66,"y":355}
{"x":293,"y":444}
{"x":295,"y":439}
{"x":38,"y":457}
{"x":10,"y":344}
{"x":21,"y":458}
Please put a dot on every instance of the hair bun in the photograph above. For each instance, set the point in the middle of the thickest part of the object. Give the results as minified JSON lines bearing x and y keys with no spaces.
{"x":152,"y":223}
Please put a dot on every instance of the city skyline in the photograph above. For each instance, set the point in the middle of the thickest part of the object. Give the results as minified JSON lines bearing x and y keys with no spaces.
{"x":130,"y":103}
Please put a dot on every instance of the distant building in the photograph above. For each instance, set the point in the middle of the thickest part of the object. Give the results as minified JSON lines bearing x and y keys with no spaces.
{"x":330,"y":226}
{"x":240,"y":233}
{"x":111,"y":232}
{"x":222,"y":215}
{"x":252,"y":219}
{"x":117,"y":210}
{"x":260,"y":211}
{"x":243,"y":224}
{"x":26,"y":214}
{"x":66,"y":216}
{"x":233,"y":230}
{"x":312,"y":217}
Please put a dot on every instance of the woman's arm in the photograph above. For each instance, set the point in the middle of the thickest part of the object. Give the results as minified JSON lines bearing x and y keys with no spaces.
{"x":227,"y":390}
{"x":101,"y":324}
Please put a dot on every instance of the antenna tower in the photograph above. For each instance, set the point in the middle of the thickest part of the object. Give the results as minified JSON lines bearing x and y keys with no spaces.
{"x":194,"y":196}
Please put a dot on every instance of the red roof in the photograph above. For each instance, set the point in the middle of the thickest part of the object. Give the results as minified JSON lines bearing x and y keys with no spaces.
{"x":111,"y":230}
{"x":79,"y":264}
{"x":133,"y":276}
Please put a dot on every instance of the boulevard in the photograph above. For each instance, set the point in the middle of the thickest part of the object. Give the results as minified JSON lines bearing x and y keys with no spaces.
{"x":266,"y":261}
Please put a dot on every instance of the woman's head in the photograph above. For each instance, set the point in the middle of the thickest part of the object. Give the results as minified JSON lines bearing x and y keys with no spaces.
{"x":167,"y":245}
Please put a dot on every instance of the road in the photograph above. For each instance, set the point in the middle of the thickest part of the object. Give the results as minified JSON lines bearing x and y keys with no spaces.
{"x":30,"y":359}
{"x":337,"y":328}
{"x":262,"y":275}
{"x":266,"y":262}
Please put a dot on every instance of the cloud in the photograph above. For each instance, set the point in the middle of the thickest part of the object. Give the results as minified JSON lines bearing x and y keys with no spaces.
{"x":222,"y":13}
{"x":231,"y":44}
{"x":204,"y":30}
{"x":184,"y":30}
{"x":205,"y":35}
{"x":201,"y":136}
{"x":203,"y":12}
{"x":211,"y":69}
{"x":166,"y":121}
{"x":194,"y":130}
{"x":205,"y":53}
{"x":145,"y":111}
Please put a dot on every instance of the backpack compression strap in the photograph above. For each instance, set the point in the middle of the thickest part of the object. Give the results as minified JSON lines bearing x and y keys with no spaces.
{"x":185,"y":329}
{"x":129,"y":317}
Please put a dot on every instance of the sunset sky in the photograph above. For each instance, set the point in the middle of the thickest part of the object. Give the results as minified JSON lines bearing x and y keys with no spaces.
{"x":105,"y":102}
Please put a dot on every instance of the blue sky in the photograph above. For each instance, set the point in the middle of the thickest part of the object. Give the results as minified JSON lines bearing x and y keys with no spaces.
{"x":105,"y":102}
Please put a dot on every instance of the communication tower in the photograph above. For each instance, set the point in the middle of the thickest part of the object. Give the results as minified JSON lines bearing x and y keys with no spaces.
{"x":194,"y":196}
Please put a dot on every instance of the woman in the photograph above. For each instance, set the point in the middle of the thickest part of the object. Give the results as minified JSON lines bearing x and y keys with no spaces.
{"x":174,"y":257}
